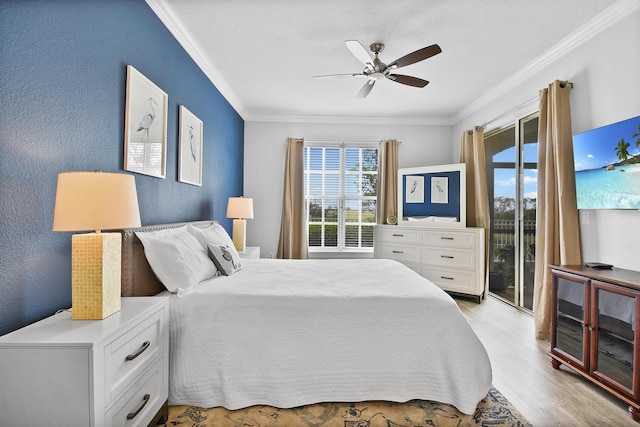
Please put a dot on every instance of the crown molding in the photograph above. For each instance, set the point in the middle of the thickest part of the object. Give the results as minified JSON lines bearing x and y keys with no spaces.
{"x":356,"y":120}
{"x":169,"y":18}
{"x":610,"y":16}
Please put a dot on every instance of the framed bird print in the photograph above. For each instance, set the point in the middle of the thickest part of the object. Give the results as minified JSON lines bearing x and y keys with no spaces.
{"x":440,"y":189}
{"x":145,"y":126}
{"x":414,"y":192}
{"x":190,"y":148}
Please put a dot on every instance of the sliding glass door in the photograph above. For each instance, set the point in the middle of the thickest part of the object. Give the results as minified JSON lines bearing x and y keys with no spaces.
{"x":511,"y":163}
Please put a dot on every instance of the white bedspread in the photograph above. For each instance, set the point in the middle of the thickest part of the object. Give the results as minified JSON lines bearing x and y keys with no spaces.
{"x":289,"y":332}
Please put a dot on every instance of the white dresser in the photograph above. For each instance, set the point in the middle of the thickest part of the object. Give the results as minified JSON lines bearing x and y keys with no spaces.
{"x":451,"y":257}
{"x":110,"y":372}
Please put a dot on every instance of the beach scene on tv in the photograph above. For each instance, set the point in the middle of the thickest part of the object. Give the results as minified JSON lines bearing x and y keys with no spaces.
{"x":607,"y":163}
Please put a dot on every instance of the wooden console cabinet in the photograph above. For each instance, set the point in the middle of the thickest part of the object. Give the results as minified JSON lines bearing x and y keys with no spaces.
{"x":595,"y":328}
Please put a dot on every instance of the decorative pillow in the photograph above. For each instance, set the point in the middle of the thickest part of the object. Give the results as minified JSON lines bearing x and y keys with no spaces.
{"x":176,"y":258}
{"x":213,"y":234}
{"x":226,"y":260}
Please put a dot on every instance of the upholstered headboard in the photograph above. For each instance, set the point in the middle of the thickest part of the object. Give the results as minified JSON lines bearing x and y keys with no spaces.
{"x":137,"y":277}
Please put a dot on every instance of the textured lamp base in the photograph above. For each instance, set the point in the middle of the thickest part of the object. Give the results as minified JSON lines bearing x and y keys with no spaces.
{"x":239,"y":234}
{"x":95,"y":275}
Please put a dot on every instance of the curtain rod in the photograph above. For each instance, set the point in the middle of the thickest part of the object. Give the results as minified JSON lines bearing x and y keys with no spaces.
{"x":562,"y":85}
{"x":341,"y":141}
{"x":484,"y":125}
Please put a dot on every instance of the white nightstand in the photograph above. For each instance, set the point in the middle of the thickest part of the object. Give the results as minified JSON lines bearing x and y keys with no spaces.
{"x":250,"y":252}
{"x":110,"y":372}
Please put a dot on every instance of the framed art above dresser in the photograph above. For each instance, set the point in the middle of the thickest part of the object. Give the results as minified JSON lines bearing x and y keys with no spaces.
{"x":432,"y":196}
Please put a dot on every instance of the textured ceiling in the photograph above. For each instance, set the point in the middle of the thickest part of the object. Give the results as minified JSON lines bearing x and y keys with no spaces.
{"x":262,"y":54}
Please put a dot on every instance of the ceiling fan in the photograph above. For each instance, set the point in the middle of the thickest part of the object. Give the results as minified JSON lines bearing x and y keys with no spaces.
{"x":376,"y":70}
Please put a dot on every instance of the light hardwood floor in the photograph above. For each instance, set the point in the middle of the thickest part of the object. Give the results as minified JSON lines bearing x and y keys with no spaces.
{"x":522,"y":372}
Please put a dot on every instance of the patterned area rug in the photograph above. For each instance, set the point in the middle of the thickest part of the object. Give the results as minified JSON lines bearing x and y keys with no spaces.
{"x":494,"y":410}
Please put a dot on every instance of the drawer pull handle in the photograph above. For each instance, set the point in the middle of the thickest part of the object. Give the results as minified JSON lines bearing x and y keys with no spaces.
{"x":446,"y":256}
{"x":398,"y":235}
{"x":397,"y":252}
{"x":132,"y":415}
{"x":145,"y":346}
{"x":448,"y":278}
{"x":446,"y":238}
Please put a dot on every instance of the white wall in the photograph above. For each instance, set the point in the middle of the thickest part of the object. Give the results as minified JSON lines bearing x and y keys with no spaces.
{"x":264,"y":153}
{"x":604,"y":71}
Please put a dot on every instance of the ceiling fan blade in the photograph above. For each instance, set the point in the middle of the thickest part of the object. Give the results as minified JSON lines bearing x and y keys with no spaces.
{"x":417,"y":56}
{"x":359,"y":52}
{"x":408,"y":80}
{"x":366,"y":89}
{"x":324,"y":76}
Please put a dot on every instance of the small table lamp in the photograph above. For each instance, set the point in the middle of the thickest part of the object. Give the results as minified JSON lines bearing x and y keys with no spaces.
{"x":95,"y":201}
{"x":240,"y":208}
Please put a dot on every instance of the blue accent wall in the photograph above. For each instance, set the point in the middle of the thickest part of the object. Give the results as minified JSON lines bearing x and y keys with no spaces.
{"x":62,"y":86}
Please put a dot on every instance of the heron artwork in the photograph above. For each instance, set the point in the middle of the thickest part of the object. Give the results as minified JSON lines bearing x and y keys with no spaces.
{"x":192,"y":144}
{"x":147,"y":120}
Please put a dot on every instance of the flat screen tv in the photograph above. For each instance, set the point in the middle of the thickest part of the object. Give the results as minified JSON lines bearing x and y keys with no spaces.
{"x":607,"y":163}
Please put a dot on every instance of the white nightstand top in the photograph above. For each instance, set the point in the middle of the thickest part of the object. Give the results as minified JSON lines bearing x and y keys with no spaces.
{"x":250,"y":252}
{"x":60,"y":330}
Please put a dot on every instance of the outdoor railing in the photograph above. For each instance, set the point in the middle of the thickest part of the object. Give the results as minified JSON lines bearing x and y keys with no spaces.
{"x":504,"y":236}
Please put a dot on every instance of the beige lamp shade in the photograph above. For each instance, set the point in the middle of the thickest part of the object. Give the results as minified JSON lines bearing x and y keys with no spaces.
{"x":95,"y":201}
{"x":240,"y":207}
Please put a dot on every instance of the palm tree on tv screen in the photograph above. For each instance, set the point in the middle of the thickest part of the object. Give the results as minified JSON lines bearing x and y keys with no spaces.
{"x":622,"y":149}
{"x":637,"y":136}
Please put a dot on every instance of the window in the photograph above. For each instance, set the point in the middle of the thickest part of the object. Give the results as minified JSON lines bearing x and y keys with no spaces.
{"x":340,"y":195}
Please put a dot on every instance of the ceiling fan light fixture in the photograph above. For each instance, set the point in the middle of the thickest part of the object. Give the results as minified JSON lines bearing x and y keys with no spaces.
{"x":376,"y":70}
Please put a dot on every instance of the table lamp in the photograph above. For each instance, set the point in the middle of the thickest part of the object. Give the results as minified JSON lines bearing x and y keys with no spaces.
{"x":240,"y":208}
{"x":95,"y":201}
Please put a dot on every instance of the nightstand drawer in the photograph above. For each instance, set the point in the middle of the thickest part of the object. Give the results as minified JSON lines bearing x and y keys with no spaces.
{"x":130,"y":354}
{"x":458,"y":258}
{"x":450,"y":239}
{"x":140,"y":403}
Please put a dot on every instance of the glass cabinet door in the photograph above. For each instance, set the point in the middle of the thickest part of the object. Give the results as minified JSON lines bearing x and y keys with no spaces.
{"x":570,"y":335}
{"x":614,"y":326}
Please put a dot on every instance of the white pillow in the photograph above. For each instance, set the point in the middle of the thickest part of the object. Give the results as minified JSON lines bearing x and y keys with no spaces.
{"x":213,"y":234}
{"x":176,"y":258}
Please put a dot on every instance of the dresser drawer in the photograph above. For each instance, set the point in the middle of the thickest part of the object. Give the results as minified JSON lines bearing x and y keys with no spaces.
{"x":393,"y":234}
{"x":132,"y":353}
{"x":449,"y":239}
{"x":141,"y":402}
{"x":403,"y":253}
{"x":453,"y":280}
{"x":443,"y":257}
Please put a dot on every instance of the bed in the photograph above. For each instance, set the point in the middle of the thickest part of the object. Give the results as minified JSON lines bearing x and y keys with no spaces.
{"x":287,"y":333}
